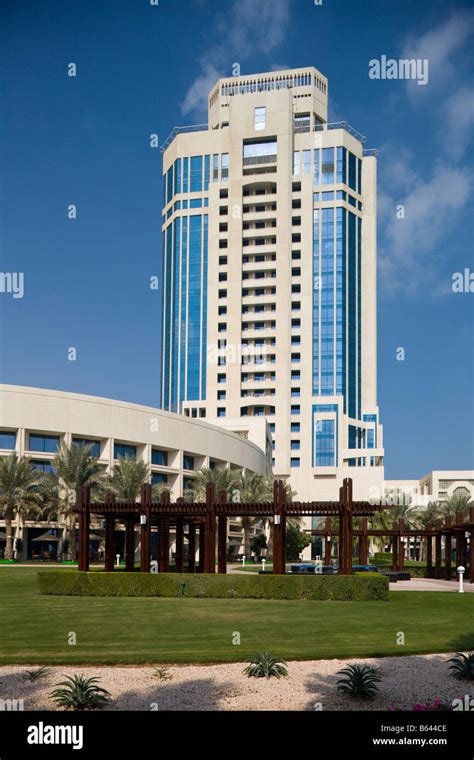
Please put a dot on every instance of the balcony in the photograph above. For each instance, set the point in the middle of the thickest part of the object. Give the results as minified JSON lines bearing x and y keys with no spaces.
{"x":180,"y":131}
{"x":341,"y":125}
{"x":258,"y":160}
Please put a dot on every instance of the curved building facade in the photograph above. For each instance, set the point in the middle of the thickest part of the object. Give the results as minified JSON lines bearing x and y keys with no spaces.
{"x":35,"y":421}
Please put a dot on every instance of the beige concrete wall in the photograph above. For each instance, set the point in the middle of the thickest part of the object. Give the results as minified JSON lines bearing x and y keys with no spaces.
{"x":28,"y":410}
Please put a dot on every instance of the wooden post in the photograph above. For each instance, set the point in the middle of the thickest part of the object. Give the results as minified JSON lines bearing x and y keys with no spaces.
{"x":471,"y":549}
{"x":429,"y":552}
{"x":164,"y":537}
{"x":276,"y":531}
{"x":395,"y":546}
{"x":438,"y":573}
{"x":348,"y":531}
{"x":145,"y":528}
{"x":340,"y":547}
{"x":279,"y":528}
{"x":179,"y":544}
{"x":109,"y":537}
{"x":222,"y":537}
{"x":460,"y":542}
{"x":130,"y":545}
{"x":448,"y":545}
{"x":401,"y":546}
{"x":84,"y":528}
{"x":327,"y":543}
{"x":191,"y":547}
{"x":363,"y":543}
{"x":210,"y":533}
{"x":202,"y":547}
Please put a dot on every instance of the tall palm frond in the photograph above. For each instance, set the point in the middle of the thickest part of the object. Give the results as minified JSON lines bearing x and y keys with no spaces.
{"x":19,"y":486}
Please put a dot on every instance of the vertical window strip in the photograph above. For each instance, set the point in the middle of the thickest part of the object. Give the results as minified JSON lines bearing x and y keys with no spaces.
{"x":184,"y":308}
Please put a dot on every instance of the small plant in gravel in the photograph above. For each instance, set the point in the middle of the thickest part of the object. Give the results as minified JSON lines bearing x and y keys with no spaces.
{"x":359,"y":681}
{"x":79,"y":693}
{"x":264,"y":665}
{"x":162,"y":673}
{"x":463,"y":666}
{"x":436,"y":706}
{"x":34,"y":675}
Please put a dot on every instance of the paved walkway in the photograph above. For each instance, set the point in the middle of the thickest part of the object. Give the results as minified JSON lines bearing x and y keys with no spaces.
{"x":430,"y":584}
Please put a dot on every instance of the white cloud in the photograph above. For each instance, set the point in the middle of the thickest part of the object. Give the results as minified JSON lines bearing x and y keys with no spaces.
{"x":456,"y":128}
{"x":414,"y":244}
{"x":439,"y":46}
{"x":249,"y":27}
{"x":197,"y":94}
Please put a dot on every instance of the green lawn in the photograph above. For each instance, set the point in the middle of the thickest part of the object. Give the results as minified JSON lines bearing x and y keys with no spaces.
{"x":34,"y":628}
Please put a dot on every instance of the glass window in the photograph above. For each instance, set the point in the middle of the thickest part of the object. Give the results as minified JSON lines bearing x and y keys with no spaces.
{"x":124,"y":451}
{"x":158,"y":477}
{"x":95,"y":445}
{"x":352,"y":171}
{"x":296,"y":163}
{"x":225,"y":167}
{"x":188,"y":462}
{"x":325,"y":443}
{"x":316,"y":166}
{"x":38,"y":464}
{"x":327,"y":168}
{"x":159,"y":457}
{"x":341,"y":165}
{"x":215,"y":167}
{"x":7,"y":439}
{"x":306,"y":161}
{"x":259,"y":118}
{"x":48,"y":443}
{"x":294,"y":462}
{"x":195,"y":184}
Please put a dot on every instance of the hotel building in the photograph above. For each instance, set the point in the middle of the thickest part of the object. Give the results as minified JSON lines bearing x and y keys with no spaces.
{"x":269,"y":282}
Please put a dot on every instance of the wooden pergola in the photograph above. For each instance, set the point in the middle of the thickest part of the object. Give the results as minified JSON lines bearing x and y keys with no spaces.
{"x":204,"y":524}
{"x":456,"y":530}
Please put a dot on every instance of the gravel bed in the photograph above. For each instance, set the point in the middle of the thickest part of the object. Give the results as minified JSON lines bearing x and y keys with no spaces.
{"x":311,"y":685}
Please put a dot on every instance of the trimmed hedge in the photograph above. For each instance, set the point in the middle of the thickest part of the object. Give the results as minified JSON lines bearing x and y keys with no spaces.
{"x":362,"y":587}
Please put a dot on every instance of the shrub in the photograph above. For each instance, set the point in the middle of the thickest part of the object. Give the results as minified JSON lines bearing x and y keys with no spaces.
{"x":34,"y":675}
{"x":264,"y":665}
{"x":79,"y":693}
{"x":162,"y":673}
{"x":364,"y":587}
{"x":359,"y":681}
{"x":463,"y":666}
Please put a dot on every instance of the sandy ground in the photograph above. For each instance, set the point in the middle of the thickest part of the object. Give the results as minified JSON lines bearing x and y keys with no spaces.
{"x":310,"y":686}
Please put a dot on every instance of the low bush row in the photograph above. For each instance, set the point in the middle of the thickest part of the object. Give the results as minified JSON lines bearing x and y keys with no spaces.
{"x":364,"y":587}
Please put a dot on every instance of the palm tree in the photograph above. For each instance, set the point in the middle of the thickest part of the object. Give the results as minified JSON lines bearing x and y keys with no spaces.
{"x":258,"y":488}
{"x":73,"y":467}
{"x":384,"y":519}
{"x":128,"y":477}
{"x":425,"y":516}
{"x":225,"y":479}
{"x":456,"y":503}
{"x":19,"y":484}
{"x":251,"y":487}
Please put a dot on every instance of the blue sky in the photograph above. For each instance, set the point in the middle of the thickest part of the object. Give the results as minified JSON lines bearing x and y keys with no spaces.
{"x":143,"y":69}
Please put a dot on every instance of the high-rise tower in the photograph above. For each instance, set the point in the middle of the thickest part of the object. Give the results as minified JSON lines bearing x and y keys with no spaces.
{"x":269,"y":281}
